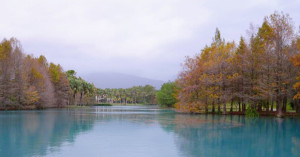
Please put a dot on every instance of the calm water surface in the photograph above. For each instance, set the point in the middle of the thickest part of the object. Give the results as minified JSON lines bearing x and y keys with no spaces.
{"x":134,"y":131}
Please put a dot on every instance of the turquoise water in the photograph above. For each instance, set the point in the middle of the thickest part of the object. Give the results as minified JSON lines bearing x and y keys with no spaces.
{"x":135,"y":131}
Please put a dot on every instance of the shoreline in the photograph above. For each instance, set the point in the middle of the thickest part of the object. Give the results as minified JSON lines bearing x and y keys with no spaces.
{"x":240,"y":113}
{"x":28,"y":108}
{"x":24,"y":108}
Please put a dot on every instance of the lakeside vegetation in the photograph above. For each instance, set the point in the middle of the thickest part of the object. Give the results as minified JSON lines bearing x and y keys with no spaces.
{"x":166,"y":96}
{"x":29,"y":82}
{"x":259,"y":74}
{"x":134,"y":95}
{"x":85,"y":93}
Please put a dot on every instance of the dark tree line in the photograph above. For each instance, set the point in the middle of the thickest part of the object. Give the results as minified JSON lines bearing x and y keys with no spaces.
{"x":134,"y":95}
{"x":82,"y":92}
{"x":85,"y":93}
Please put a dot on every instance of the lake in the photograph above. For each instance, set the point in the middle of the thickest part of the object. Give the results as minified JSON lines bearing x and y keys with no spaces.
{"x":144,"y":131}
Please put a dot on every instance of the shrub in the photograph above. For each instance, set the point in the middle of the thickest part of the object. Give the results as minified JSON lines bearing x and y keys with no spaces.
{"x":251,"y":112}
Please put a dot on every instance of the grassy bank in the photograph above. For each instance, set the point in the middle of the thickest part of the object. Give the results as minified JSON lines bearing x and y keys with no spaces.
{"x":102,"y":104}
{"x":18,"y":108}
{"x":119,"y":104}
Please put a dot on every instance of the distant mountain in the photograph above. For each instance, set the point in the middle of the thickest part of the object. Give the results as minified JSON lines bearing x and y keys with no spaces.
{"x":117,"y":80}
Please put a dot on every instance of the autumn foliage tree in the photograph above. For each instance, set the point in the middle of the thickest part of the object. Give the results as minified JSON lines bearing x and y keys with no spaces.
{"x":29,"y":82}
{"x":296,"y":61}
{"x":256,"y":74}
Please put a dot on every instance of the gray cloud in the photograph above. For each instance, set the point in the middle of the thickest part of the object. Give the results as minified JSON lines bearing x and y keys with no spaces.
{"x":148,"y":38}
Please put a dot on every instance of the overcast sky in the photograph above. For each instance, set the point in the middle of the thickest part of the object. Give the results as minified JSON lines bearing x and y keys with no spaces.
{"x":147,"y":38}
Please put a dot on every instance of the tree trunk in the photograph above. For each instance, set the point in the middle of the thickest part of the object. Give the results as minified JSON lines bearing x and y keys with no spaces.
{"x":284,"y":103}
{"x":277,"y":105}
{"x":239,"y":106}
{"x":235,"y":104}
{"x":267,"y":106}
{"x":279,"y":108}
{"x":80,"y":98}
{"x":213,"y":107}
{"x":219,"y":108}
{"x":297,"y":105}
{"x":272,"y":106}
{"x":244,"y":107}
{"x":74,"y":97}
{"x":224,"y":108}
{"x":231,"y":106}
{"x":259,"y":107}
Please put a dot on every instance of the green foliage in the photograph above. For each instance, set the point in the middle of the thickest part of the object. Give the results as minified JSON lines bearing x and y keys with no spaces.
{"x":102,"y":105}
{"x":42,"y":60}
{"x":166,"y":95}
{"x":251,"y":112}
{"x":55,"y":72}
{"x":71,"y":73}
{"x":36,"y":74}
{"x":5,"y":49}
{"x":81,"y":89}
{"x":133,"y":95}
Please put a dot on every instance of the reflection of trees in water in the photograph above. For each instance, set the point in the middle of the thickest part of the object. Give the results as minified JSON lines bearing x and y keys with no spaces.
{"x":296,"y":146}
{"x":213,"y":135}
{"x":35,"y":133}
{"x":131,"y":114}
{"x":29,"y":133}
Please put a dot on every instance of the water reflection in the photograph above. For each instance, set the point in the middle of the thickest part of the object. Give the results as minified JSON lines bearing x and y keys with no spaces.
{"x":213,"y":135}
{"x":29,"y":133}
{"x":143,"y":131}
